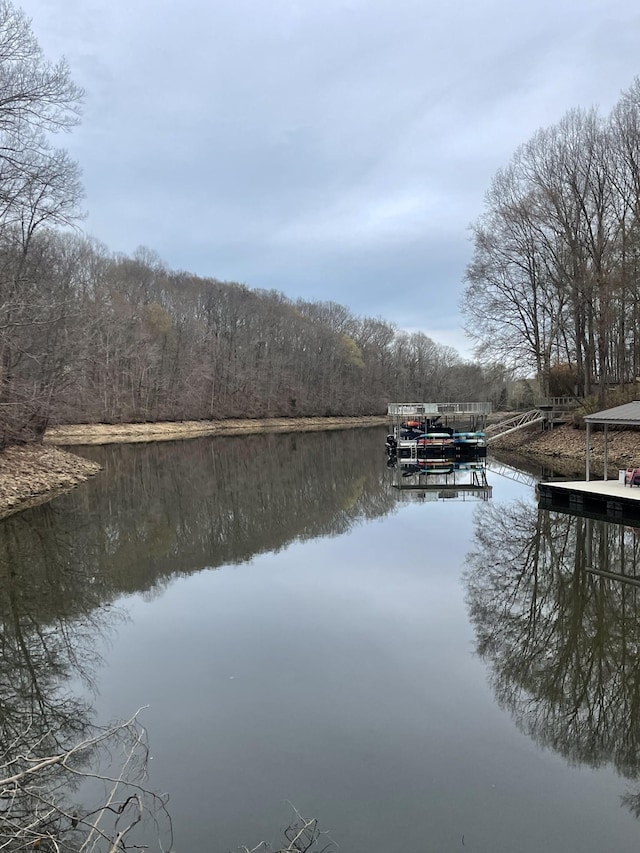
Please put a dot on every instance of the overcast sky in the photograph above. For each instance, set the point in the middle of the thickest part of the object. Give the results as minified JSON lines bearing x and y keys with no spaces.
{"x":330,"y":149}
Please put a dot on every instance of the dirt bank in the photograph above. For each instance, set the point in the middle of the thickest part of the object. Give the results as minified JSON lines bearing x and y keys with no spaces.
{"x":566,"y":442}
{"x":34,"y":474}
{"x":128,"y":433}
{"x":31,"y":475}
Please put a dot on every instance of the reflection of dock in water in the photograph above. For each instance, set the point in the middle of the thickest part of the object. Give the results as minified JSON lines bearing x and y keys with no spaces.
{"x":504,"y":470}
{"x":606,"y":555}
{"x":445,"y":482}
{"x":433,"y":456}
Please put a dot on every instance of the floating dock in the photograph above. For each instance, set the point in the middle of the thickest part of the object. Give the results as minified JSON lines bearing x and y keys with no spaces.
{"x":603,"y":499}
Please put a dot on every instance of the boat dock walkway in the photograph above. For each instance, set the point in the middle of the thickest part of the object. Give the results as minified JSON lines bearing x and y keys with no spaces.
{"x":606,"y":499}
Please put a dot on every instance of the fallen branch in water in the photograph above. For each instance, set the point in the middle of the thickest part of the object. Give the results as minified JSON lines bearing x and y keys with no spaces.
{"x":302,"y":835}
{"x":35,"y":790}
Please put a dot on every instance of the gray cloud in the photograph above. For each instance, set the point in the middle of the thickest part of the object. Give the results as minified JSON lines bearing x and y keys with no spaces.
{"x":332,"y":150}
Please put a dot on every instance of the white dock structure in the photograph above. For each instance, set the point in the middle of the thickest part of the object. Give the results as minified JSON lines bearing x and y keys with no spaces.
{"x":456,"y":413}
{"x":432,"y":411}
{"x":605,"y":499}
{"x":615,"y":498}
{"x":431,"y":460}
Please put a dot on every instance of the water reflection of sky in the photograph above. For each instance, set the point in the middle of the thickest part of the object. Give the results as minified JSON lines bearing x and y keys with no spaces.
{"x":340,"y":674}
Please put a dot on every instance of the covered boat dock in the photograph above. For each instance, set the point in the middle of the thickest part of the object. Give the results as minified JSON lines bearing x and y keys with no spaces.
{"x":618,"y":498}
{"x":475,"y":413}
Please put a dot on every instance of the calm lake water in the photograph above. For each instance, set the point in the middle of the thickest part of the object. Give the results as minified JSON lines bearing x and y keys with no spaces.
{"x":419,"y":674}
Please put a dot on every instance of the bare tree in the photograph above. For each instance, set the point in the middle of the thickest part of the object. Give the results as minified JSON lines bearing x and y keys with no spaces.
{"x":37,"y":809}
{"x":555,"y":277}
{"x":302,"y":835}
{"x":39,"y":186}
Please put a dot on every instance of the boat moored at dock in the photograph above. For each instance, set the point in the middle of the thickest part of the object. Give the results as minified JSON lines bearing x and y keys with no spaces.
{"x":437,"y":445}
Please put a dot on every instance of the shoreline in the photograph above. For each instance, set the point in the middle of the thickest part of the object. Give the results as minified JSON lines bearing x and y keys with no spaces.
{"x":36,"y":473}
{"x":568,"y":444}
{"x":75,"y":434}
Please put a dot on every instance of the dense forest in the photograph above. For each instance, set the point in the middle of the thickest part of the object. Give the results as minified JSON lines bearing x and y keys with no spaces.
{"x":554,"y":284}
{"x":116,"y":339}
{"x":90,"y":336}
{"x":87,"y":335}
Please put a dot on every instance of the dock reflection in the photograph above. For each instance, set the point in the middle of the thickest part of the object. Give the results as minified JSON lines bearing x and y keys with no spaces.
{"x":431,"y":480}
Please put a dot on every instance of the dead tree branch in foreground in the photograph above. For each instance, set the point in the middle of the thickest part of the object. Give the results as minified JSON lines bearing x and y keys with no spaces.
{"x":35,"y":788}
{"x":302,"y":836}
{"x":37,"y":814}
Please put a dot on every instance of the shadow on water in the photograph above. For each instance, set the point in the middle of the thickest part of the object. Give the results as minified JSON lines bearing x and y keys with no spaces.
{"x":561,"y":641}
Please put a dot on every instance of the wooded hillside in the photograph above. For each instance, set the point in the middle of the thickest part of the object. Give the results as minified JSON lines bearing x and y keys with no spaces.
{"x":89,"y":336}
{"x":117,"y":339}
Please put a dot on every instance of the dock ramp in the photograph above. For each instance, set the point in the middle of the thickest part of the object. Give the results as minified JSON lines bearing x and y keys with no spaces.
{"x":526,"y":419}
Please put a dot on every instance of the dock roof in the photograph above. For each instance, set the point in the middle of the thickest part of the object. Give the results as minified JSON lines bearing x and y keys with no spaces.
{"x":625,"y":415}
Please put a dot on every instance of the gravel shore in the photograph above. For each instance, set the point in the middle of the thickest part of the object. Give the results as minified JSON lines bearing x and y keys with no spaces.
{"x":36,"y":473}
{"x":569,"y":443}
{"x":132,"y":433}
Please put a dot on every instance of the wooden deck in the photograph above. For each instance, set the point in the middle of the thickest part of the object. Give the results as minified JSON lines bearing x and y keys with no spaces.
{"x":604,"y":499}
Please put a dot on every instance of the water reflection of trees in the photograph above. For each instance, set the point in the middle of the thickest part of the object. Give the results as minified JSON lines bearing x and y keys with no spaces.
{"x":563,"y":643}
{"x":156,"y":511}
{"x":47,"y":607}
{"x":48,"y":630}
{"x":166,"y":509}
{"x":159,"y":510}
